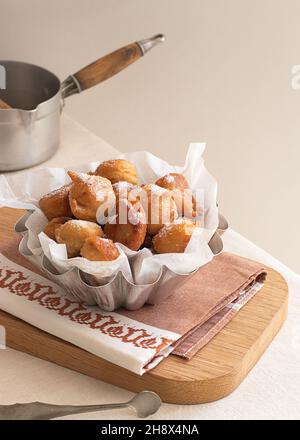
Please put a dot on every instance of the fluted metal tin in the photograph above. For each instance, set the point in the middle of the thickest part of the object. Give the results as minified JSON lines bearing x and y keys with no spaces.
{"x":115,"y":291}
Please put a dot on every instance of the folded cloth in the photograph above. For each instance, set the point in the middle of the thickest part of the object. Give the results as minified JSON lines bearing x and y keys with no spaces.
{"x":188,"y":345}
{"x":212,"y":292}
{"x":136,"y":340}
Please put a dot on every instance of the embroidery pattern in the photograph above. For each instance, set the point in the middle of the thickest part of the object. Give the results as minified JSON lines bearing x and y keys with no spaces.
{"x":21,"y":285}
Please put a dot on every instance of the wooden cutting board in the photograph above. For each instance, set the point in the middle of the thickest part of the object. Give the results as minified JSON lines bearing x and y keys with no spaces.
{"x":213,"y":373}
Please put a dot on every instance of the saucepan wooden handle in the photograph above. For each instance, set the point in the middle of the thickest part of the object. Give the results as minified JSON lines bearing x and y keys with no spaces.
{"x":4,"y":105}
{"x":108,"y":66}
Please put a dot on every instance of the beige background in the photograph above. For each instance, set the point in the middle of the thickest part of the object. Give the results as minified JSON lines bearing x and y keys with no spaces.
{"x":223,"y":76}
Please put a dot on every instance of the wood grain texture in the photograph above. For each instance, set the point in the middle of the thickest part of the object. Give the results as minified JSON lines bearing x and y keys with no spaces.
{"x":108,"y":66}
{"x":212,"y":374}
{"x":4,"y":105}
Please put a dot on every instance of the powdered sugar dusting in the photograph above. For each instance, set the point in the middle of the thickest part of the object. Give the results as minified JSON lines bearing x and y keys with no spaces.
{"x":62,"y":190}
{"x":169,"y":179}
{"x":135,"y":217}
{"x":157,"y":190}
{"x":106,"y":240}
{"x":79,"y":224}
{"x":122,"y":185}
{"x":179,"y":221}
{"x":100,"y":187}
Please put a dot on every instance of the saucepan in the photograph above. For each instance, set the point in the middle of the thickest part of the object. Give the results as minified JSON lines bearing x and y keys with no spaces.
{"x":31,"y":103}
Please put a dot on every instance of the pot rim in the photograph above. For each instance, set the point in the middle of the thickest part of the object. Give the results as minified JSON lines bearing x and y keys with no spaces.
{"x":39,"y":107}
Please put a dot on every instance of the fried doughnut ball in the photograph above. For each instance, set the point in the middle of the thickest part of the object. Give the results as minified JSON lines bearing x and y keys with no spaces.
{"x":159,"y":206}
{"x":185,"y":201}
{"x":74,"y":233}
{"x":174,"y":237}
{"x":51,"y":227}
{"x":99,"y":249}
{"x":129,"y":227}
{"x":88,"y":193}
{"x":118,"y":170}
{"x":56,"y":203}
{"x":173,"y":180}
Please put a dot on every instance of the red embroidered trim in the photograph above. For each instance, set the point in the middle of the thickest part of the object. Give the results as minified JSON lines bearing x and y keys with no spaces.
{"x":20,"y":284}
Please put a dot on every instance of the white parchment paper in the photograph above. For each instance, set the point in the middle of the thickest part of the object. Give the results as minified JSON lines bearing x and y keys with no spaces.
{"x":24,"y":191}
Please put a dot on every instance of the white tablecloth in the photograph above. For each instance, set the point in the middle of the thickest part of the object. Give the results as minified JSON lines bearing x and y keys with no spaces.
{"x":271,"y":390}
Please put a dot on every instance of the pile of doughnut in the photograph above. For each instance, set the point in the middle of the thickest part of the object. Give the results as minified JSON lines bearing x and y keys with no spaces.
{"x":73,"y":220}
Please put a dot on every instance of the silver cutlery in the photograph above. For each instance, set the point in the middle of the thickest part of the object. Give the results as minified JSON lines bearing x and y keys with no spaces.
{"x":144,"y":403}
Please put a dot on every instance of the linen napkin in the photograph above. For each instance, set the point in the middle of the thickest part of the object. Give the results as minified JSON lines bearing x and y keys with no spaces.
{"x":136,"y":340}
{"x":211,"y":297}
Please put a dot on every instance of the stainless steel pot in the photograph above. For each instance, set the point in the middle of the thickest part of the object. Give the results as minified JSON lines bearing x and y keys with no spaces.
{"x":30,"y":129}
